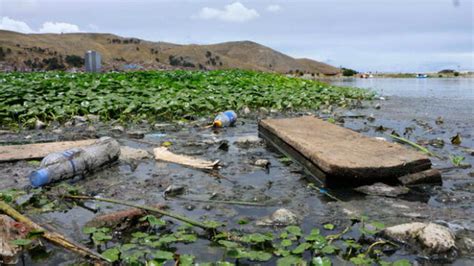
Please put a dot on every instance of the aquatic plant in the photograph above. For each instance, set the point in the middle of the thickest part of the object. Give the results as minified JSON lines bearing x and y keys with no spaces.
{"x":165,"y":95}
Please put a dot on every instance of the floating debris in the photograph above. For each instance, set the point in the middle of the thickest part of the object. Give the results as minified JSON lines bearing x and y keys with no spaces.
{"x":262,"y":163}
{"x":163,"y":154}
{"x":173,"y":190}
{"x":456,"y":140}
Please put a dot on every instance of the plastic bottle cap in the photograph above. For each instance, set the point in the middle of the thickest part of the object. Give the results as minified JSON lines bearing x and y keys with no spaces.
{"x":217,"y":123}
{"x":39,"y":178}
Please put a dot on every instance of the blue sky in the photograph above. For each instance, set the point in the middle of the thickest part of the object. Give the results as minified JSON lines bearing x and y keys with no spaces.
{"x":367,"y":35}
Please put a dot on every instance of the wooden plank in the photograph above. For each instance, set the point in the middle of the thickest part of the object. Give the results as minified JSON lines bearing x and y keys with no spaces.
{"x":423,"y":177}
{"x":343,"y":156}
{"x":38,"y":150}
{"x":317,"y":174}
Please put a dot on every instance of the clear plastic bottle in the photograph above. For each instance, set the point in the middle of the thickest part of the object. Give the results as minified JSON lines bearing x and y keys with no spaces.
{"x":225,"y":119}
{"x":75,"y":162}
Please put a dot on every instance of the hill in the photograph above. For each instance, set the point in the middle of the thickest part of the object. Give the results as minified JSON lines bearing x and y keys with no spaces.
{"x":64,"y":51}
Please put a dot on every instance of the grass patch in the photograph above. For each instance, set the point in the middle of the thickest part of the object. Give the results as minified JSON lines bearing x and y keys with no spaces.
{"x":165,"y":95}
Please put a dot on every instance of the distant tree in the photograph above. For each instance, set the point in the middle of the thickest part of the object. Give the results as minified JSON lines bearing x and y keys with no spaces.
{"x":208,"y":54}
{"x":53,"y":64}
{"x":173,"y":61}
{"x":347,"y":72}
{"x":74,"y":60}
{"x":2,"y":54}
{"x":456,"y":74}
{"x":446,"y":71}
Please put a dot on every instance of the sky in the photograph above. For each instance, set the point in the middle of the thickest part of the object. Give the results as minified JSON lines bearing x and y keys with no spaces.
{"x":366,"y":35}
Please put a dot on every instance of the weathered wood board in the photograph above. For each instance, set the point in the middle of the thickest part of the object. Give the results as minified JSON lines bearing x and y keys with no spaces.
{"x":337,"y":156}
{"x":38,"y":150}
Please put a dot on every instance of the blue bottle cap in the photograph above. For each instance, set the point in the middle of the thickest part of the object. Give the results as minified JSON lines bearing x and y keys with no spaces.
{"x":39,"y":178}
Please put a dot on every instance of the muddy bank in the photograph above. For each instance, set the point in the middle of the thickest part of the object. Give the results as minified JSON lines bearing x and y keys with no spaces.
{"x":282,"y":185}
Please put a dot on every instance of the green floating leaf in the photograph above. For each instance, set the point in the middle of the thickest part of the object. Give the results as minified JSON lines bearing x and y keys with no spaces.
{"x":402,"y":262}
{"x":126,"y":247}
{"x":112,"y":254}
{"x":290,"y":260}
{"x":163,"y":255}
{"x":361,"y":259}
{"x":89,"y":230}
{"x":186,"y":260}
{"x":329,"y":249}
{"x":153,"y":263}
{"x":153,"y":221}
{"x":259,"y":255}
{"x":21,"y":242}
{"x":301,"y":248}
{"x":329,"y":226}
{"x":256,"y":238}
{"x":286,"y":243}
{"x":378,"y":225}
{"x":213,"y":224}
{"x":228,"y":244}
{"x":294,"y":230}
{"x":321,"y":261}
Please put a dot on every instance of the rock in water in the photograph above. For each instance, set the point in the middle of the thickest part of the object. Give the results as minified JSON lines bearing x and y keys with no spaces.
{"x":39,"y":124}
{"x":437,"y":238}
{"x":117,"y":129}
{"x":262,"y":163}
{"x":434,"y":237}
{"x":381,"y":189}
{"x":281,"y":217}
{"x":136,"y":134}
{"x":129,"y":153}
{"x":404,"y":232}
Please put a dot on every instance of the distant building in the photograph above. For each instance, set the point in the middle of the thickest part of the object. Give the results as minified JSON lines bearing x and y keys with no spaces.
{"x":92,"y":61}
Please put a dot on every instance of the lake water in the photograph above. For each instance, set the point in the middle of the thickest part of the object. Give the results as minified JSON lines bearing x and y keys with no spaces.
{"x":441,"y":88}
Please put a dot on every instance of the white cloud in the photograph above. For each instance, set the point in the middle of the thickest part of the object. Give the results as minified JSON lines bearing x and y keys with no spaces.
{"x":58,"y":27}
{"x":273,"y":8}
{"x":235,"y":12}
{"x":7,"y":23}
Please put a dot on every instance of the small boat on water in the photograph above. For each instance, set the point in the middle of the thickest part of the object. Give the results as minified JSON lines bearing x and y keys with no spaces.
{"x":421,"y":76}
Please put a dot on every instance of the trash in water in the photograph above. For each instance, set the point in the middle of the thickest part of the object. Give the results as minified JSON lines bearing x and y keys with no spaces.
{"x":78,"y":161}
{"x":456,"y":140}
{"x":225,"y":119}
{"x":163,"y":154}
{"x":120,"y":220}
{"x":439,"y":120}
{"x":10,"y":230}
{"x":173,"y":190}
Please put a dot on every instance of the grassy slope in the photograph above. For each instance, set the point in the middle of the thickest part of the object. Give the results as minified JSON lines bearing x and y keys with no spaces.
{"x":241,"y":55}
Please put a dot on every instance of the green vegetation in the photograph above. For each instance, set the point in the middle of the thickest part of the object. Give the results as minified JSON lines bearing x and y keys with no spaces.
{"x":347,"y":72}
{"x":154,"y":96}
{"x":161,"y":244}
{"x":74,"y":60}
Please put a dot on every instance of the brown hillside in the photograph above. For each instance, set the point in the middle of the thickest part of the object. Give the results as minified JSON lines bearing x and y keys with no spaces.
{"x":36,"y":51}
